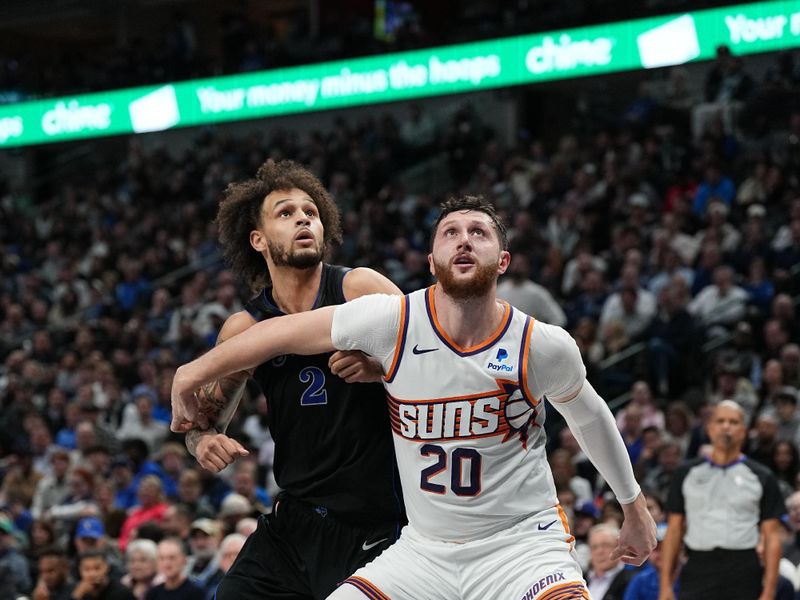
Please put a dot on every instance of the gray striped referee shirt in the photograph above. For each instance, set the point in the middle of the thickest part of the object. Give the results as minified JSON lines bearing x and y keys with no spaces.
{"x":724,"y":504}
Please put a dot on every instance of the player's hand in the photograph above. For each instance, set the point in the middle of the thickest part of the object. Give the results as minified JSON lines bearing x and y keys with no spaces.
{"x":637,"y":538}
{"x":186,"y":413}
{"x":355,"y":367}
{"x":666,"y":594}
{"x":215,"y":451}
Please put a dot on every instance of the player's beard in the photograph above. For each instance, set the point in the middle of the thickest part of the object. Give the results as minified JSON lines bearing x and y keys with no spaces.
{"x":478,"y":285}
{"x":306,"y":258}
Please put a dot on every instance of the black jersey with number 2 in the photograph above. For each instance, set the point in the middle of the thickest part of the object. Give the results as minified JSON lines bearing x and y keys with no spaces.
{"x":333,"y":445}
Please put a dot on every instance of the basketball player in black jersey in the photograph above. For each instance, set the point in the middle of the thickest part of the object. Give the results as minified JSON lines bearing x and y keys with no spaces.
{"x":341,"y":504}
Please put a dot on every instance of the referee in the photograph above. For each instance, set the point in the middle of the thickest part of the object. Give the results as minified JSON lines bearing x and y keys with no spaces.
{"x":720,"y":506}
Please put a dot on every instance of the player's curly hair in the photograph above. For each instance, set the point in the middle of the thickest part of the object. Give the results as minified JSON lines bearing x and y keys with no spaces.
{"x":476,"y":203}
{"x":240,"y":213}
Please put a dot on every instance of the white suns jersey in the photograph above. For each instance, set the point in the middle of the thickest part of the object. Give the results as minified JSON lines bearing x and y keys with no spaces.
{"x":467,"y":422}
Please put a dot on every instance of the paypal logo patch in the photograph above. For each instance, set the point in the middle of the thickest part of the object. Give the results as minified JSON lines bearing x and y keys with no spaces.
{"x":502,"y":354}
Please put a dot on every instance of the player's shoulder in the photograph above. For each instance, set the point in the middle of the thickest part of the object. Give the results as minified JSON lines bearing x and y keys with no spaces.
{"x":363,"y":281}
{"x":549,"y":338}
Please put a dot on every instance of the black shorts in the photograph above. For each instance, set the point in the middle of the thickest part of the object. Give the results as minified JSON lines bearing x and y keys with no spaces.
{"x":302,"y":552}
{"x":721,"y":575}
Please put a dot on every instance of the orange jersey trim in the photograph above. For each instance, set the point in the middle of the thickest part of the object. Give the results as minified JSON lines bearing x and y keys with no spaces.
{"x":492,"y":339}
{"x":565,"y":523}
{"x":400,"y":343}
{"x":574,"y":590}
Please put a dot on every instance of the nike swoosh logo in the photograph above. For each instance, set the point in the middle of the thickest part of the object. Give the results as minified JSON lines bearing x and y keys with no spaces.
{"x":548,"y":526}
{"x":365,"y":546}
{"x":417,"y":350}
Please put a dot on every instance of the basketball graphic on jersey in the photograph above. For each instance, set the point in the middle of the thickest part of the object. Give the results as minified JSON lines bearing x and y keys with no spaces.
{"x":518,"y":412}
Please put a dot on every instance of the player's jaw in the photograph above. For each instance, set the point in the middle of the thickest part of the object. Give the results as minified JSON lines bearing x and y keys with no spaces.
{"x":304,"y":251}
{"x":464,"y":276}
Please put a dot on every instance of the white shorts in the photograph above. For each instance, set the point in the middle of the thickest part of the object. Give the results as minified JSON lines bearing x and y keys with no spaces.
{"x":533,"y":559}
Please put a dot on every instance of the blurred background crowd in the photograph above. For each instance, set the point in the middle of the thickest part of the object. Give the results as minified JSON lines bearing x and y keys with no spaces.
{"x":663,"y":232}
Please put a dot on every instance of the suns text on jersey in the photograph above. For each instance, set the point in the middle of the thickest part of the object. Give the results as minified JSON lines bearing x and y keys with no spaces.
{"x":458,"y":417}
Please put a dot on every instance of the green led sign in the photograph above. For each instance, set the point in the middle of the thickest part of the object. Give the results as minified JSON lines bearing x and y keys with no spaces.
{"x":644,"y":43}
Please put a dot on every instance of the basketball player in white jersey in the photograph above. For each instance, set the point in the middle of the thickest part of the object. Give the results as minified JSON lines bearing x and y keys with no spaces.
{"x":466,"y":376}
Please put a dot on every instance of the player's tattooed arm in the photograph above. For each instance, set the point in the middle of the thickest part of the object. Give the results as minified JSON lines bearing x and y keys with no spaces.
{"x":217,"y":401}
{"x":222,"y":398}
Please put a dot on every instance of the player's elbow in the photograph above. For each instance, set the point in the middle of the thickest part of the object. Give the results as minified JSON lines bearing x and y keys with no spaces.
{"x":182,"y":382}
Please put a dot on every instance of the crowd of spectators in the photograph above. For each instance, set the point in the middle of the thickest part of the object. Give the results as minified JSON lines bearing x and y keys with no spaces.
{"x":679,"y":246}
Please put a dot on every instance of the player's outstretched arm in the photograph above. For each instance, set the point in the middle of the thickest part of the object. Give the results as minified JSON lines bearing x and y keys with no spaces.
{"x":302,"y":333}
{"x":352,"y":365}
{"x":593,"y":425}
{"x":557,"y":372}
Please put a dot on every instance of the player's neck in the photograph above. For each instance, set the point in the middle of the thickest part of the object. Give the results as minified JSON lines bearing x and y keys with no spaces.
{"x":468,"y":322}
{"x":295,"y":290}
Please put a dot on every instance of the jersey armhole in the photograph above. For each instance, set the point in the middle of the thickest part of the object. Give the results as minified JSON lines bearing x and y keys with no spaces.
{"x":341,"y":274}
{"x":524,"y":357}
{"x":399,"y":345}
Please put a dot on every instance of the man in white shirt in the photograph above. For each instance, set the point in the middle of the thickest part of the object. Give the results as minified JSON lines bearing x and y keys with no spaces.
{"x":54,"y":488}
{"x":632,"y":305}
{"x":721,"y":303}
{"x":138,"y":422}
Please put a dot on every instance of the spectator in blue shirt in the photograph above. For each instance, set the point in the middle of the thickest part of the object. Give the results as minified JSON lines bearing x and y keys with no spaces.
{"x":135,"y":289}
{"x":714,"y":185}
